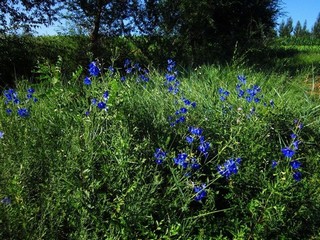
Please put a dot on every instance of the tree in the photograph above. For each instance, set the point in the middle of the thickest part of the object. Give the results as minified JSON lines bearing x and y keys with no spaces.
{"x":146,"y":16}
{"x":316,"y":28}
{"x":225,"y":24}
{"x":101,"y":17}
{"x":286,"y":29}
{"x":297,"y":30}
{"x":26,"y":15}
{"x":305,"y":32}
{"x":282,"y":31}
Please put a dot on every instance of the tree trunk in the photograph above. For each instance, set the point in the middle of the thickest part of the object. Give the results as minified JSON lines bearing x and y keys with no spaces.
{"x":96,"y":27}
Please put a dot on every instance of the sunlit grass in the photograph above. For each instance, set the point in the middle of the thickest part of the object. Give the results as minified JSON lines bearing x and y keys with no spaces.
{"x":74,"y":169}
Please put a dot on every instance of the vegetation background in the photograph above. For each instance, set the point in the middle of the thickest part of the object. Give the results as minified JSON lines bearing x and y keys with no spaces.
{"x":158,"y":120}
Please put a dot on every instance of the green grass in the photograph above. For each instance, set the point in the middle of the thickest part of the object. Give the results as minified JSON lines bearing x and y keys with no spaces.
{"x":299,"y":53}
{"x":75,"y":176}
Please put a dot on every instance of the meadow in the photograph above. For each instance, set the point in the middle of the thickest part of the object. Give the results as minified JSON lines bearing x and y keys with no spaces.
{"x":134,"y":152}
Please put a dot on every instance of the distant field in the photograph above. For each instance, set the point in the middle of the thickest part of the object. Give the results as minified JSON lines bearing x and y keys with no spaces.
{"x":301,"y":52}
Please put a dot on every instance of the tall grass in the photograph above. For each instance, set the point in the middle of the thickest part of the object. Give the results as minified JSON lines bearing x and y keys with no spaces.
{"x":73,"y":169}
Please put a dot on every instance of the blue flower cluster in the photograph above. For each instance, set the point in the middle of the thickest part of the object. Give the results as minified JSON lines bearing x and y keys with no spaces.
{"x":131,"y":69}
{"x":12,"y":101}
{"x":160,"y":156}
{"x":200,"y":192}
{"x":94,"y":71}
{"x":249,"y":94}
{"x":180,"y":114}
{"x":172,"y":82}
{"x":196,"y":135}
{"x":223,"y":94}
{"x":101,"y":103}
{"x":229,"y":168}
{"x":186,"y":162}
{"x":289,"y":151}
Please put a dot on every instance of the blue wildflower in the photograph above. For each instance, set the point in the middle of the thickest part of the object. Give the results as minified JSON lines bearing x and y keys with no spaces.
{"x":181,"y":119}
{"x":189,"y":139}
{"x":297,"y":176}
{"x":194,"y":164}
{"x":129,"y":70}
{"x":160,"y":155}
{"x":204,"y":147}
{"x":195,"y":131}
{"x":256,"y":100}
{"x":106,"y":95}
{"x":293,"y":136}
{"x":137,"y":66}
{"x":170,"y":77}
{"x":23,"y":112}
{"x":94,"y":101}
{"x":111,"y":70}
{"x":296,"y":144}
{"x":1,"y":134}
{"x":10,"y":95}
{"x":30,"y":90}
{"x":101,"y":105}
{"x":87,"y":81}
{"x":242,"y":79}
{"x":30,"y":93}
{"x":186,"y":101}
{"x":171,"y":65}
{"x":6,"y":201}
{"x":93,"y":69}
{"x":8,"y":111}
{"x":223,"y":94}
{"x":295,"y":164}
{"x":183,"y":110}
{"x":229,"y":167}
{"x":16,"y":101}
{"x":271,"y":103}
{"x":274,"y":164}
{"x":240,"y":93}
{"x":127,"y":63}
{"x":287,"y":152}
{"x":200,"y":192}
{"x":249,"y":98}
{"x":144,"y":78}
{"x":181,"y":160}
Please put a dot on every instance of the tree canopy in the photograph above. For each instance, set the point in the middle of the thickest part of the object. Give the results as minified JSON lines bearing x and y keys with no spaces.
{"x":197,"y":25}
{"x":26,"y":15}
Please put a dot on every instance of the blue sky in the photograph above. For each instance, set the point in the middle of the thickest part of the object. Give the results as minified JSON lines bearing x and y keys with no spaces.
{"x":299,"y":10}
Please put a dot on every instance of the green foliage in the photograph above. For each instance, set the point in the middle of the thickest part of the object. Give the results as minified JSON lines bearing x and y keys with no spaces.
{"x":27,"y":15}
{"x":286,"y":29}
{"x":216,"y":26}
{"x":316,"y":28}
{"x":21,"y":54}
{"x":74,"y":171}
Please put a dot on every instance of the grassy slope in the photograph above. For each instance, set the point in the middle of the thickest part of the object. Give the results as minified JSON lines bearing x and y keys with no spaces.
{"x":72,"y":176}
